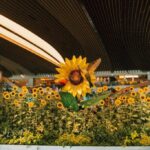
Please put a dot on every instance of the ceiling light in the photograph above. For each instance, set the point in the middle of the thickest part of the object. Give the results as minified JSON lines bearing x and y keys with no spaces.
{"x":128,"y":76}
{"x":26,"y":45}
{"x":30,"y":37}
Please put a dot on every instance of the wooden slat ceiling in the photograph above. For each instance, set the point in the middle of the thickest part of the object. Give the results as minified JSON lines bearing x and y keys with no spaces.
{"x":72,"y":16}
{"x":124,"y":27}
{"x":26,"y":59}
{"x":118,"y":31}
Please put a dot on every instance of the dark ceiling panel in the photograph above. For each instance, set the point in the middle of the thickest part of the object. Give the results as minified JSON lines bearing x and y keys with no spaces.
{"x":71,"y":14}
{"x":32,"y":16}
{"x":71,"y":34}
{"x":124,"y":27}
{"x":118,"y":31}
{"x":5,"y":71}
{"x":26,"y":59}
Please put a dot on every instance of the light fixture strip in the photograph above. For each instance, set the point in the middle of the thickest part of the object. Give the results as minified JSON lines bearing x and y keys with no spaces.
{"x":23,"y":32}
{"x":26,"y":45}
{"x":29,"y":42}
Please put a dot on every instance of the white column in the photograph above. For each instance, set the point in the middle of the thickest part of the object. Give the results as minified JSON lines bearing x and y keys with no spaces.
{"x":148,"y":75}
{"x":30,"y":82}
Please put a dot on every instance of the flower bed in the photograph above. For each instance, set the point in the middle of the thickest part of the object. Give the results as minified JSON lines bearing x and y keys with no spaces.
{"x":43,"y":116}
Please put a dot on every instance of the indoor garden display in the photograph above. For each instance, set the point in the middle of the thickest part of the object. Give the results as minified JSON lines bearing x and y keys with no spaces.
{"x":78,"y":113}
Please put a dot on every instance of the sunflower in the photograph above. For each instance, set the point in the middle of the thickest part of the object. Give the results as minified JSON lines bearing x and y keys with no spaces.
{"x":60,"y":105}
{"x":34,"y":95}
{"x":99,"y":90}
{"x":140,"y":91}
{"x":105,"y":88}
{"x":127,"y":89}
{"x":124,"y":98}
{"x":16,"y":102}
{"x":117,"y":88}
{"x":131,"y":88}
{"x":24,"y":87}
{"x":131,"y":101}
{"x":148,"y":99}
{"x":34,"y":90}
{"x":4,"y":93}
{"x":145,"y":89}
{"x":48,"y":97}
{"x":48,"y":89}
{"x":133,"y":94}
{"x":117,"y":102}
{"x":40,"y":89}
{"x":143,"y":97}
{"x":13,"y":93}
{"x":25,"y":90}
{"x":43,"y":102}
{"x":75,"y":73}
{"x":15,"y":88}
{"x":21,"y":95}
{"x":41,"y":92}
{"x":30,"y":104}
{"x":57,"y":96}
{"x":6,"y":96}
{"x":101,"y":102}
{"x":53,"y":93}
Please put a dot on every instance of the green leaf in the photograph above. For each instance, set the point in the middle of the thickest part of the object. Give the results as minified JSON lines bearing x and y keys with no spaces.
{"x":94,"y":100}
{"x":69,"y":101}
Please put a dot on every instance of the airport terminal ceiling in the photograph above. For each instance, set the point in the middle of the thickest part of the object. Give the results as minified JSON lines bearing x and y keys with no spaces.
{"x":117,"y":31}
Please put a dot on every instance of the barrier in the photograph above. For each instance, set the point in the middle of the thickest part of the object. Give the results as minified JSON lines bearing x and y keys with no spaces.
{"x":26,"y":147}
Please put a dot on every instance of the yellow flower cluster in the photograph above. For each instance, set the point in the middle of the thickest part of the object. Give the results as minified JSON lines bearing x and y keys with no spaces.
{"x":102,"y":89}
{"x":17,"y":95}
{"x":43,"y":95}
{"x":134,"y":137}
{"x":75,"y":139}
{"x":133,"y":96}
{"x":145,"y":139}
{"x":40,"y":127}
{"x":47,"y":92}
{"x":26,"y":138}
{"x":110,"y":127}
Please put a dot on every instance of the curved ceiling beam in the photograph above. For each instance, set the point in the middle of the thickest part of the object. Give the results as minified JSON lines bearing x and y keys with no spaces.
{"x":19,"y":35}
{"x":13,"y":67}
{"x":71,"y":15}
{"x":11,"y":37}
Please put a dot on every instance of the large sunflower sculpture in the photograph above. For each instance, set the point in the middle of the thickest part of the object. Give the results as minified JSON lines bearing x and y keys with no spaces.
{"x":78,"y":76}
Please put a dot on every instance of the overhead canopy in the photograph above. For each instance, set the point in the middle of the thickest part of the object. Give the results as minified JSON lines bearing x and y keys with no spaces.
{"x":117,"y":31}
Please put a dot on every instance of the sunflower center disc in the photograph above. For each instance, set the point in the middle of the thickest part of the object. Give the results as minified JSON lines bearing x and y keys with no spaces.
{"x":75,"y":77}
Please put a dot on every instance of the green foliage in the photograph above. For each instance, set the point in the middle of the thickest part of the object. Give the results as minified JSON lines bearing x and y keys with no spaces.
{"x":72,"y":139}
{"x":101,"y":124}
{"x":69,"y":101}
{"x":95,"y":100}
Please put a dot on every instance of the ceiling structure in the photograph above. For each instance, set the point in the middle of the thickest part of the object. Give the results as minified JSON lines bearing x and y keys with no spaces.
{"x":118,"y":31}
{"x":13,"y":67}
{"x":124,"y":26}
{"x":27,"y":60}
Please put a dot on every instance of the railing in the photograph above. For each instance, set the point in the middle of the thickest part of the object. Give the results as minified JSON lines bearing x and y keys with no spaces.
{"x":26,"y":147}
{"x":98,"y":73}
